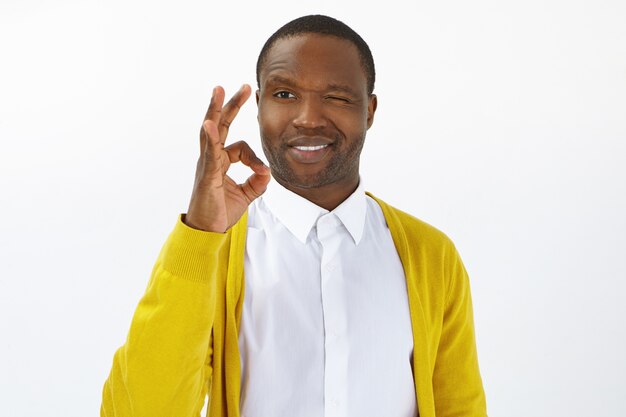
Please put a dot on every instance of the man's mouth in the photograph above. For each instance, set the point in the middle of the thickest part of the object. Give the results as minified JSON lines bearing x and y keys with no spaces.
{"x":307,"y":153}
{"x":311,"y":148}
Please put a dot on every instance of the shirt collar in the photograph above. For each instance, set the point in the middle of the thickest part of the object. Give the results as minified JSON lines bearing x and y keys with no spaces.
{"x":299,"y":215}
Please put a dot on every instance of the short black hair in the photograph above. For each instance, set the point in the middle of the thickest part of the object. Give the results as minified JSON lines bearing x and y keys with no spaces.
{"x":323,"y":25}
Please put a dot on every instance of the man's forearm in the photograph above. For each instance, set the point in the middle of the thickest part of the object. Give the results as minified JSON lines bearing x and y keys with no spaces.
{"x":164,"y":366}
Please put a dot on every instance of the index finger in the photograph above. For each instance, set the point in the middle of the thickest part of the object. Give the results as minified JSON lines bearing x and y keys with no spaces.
{"x":214,"y":111}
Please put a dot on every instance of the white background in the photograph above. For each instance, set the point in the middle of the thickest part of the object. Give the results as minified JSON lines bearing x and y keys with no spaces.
{"x":502,"y":123}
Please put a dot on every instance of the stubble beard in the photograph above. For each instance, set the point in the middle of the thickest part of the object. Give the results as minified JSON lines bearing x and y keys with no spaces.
{"x":342,"y":164}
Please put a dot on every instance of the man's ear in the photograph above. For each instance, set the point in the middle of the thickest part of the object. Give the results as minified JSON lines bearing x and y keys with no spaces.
{"x":372,"y":103}
{"x":257,"y":95}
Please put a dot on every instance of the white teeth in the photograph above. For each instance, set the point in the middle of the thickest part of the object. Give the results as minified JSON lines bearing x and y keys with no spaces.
{"x":310,"y":148}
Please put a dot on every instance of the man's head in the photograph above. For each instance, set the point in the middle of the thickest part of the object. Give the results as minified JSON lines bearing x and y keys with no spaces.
{"x":315,"y":105}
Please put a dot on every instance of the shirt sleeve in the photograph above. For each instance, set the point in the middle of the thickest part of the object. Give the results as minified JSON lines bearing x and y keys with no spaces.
{"x":164,"y":367}
{"x":457,"y":383}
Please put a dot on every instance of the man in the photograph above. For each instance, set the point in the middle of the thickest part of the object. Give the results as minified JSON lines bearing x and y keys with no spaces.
{"x":351,"y":307}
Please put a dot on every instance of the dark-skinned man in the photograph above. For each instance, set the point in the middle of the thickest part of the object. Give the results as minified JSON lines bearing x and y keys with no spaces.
{"x":349,"y":307}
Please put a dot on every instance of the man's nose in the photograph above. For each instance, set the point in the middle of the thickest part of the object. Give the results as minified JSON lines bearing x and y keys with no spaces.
{"x":310,"y":113}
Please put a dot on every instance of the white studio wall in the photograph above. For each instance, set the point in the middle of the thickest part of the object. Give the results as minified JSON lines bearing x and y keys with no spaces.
{"x":501,"y":123}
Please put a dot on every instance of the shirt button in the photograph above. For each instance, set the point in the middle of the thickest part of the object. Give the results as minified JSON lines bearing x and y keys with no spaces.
{"x":331,"y":267}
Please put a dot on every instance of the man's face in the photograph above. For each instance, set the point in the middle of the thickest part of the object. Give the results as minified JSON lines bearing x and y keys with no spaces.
{"x":313,"y":111}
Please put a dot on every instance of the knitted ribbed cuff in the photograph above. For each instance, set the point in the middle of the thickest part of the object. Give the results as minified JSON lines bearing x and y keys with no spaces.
{"x":194,"y":254}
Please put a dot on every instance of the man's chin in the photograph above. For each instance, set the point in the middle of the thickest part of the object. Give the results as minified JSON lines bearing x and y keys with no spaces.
{"x":305,"y":181}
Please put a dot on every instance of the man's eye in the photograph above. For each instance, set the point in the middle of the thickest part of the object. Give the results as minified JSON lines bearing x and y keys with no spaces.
{"x":284,"y":95}
{"x":337,"y":98}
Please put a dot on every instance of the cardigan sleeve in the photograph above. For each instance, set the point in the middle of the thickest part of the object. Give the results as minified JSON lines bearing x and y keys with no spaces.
{"x":457,"y":383}
{"x":164,"y":367}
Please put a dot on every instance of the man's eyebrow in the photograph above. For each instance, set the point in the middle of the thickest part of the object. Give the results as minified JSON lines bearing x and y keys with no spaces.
{"x":342,"y":88}
{"x":277,"y":79}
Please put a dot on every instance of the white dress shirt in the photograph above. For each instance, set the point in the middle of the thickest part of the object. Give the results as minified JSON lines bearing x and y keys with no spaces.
{"x":325,"y":327}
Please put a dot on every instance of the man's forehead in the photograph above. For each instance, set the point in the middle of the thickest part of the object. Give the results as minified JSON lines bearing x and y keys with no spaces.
{"x":313,"y":54}
{"x":311,"y":43}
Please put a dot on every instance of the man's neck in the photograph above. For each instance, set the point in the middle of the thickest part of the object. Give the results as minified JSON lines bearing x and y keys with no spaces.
{"x":328,"y":196}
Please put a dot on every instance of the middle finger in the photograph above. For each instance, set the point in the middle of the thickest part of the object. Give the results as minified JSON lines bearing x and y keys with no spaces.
{"x":230,"y":110}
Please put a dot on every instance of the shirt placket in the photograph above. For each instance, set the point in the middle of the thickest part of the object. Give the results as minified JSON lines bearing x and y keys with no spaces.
{"x":331,"y":234}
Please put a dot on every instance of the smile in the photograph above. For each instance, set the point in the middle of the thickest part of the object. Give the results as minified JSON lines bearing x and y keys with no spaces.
{"x":309,"y":154}
{"x":310,"y":148}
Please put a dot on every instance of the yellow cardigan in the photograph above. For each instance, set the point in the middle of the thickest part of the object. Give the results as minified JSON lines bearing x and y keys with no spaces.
{"x":183,"y":339}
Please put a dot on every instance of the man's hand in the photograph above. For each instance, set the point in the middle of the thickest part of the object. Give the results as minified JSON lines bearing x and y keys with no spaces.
{"x":218,"y":202}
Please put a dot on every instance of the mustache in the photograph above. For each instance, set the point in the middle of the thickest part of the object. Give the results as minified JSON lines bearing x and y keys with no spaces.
{"x":311,"y":137}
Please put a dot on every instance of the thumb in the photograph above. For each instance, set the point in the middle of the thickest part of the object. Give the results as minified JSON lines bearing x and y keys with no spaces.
{"x":256,"y":184}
